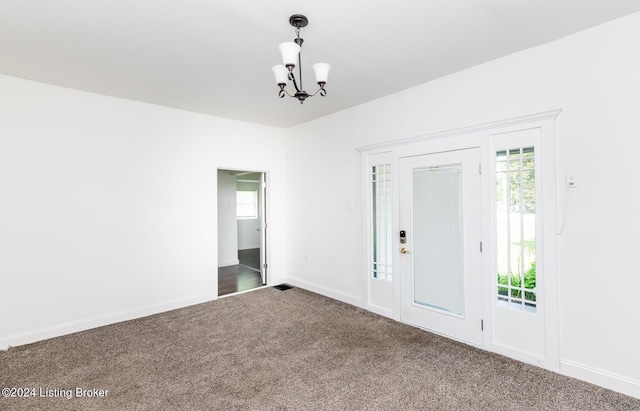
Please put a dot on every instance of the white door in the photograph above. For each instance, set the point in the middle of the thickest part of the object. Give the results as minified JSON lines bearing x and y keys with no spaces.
{"x":440,"y":259}
{"x":263,"y":228}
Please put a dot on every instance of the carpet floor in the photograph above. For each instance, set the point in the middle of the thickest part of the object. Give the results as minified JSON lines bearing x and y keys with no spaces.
{"x":280,"y":350}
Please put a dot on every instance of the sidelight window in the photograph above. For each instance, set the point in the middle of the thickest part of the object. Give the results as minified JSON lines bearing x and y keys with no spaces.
{"x":382,"y":219}
{"x":516,"y":228}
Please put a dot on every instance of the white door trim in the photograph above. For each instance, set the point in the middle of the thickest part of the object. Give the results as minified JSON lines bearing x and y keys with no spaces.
{"x":479,"y":136}
{"x":265,"y":218}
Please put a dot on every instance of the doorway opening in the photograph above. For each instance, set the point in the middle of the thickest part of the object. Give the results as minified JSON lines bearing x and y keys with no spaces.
{"x":242,"y":239}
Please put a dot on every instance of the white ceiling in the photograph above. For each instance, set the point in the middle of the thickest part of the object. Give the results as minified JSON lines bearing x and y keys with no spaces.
{"x":215,"y":57}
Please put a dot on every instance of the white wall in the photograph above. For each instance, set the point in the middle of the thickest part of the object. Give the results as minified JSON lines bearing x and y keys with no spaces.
{"x":108,"y":206}
{"x":227,"y":217}
{"x":593,"y":77}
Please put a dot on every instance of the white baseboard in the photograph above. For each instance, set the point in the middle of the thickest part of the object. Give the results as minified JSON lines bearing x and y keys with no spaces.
{"x":624,"y":385}
{"x":58,"y":330}
{"x":327,"y":292}
{"x":228,"y":263}
{"x":381,"y":311}
{"x":606,"y":379}
{"x":273,"y":279}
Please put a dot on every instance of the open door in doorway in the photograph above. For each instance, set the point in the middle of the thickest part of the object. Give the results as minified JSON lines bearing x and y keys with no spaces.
{"x":242,"y":234}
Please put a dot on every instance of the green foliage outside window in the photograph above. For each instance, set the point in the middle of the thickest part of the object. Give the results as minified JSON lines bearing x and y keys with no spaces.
{"x":516,"y":282}
{"x":521,"y":181}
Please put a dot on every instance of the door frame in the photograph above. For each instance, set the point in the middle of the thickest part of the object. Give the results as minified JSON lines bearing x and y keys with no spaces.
{"x":470,"y":137}
{"x":265,"y":233}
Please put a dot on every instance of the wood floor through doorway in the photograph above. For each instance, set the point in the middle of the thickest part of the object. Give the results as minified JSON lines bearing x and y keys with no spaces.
{"x":240,"y":277}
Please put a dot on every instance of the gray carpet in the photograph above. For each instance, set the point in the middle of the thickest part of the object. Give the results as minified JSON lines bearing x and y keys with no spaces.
{"x":291,"y":349}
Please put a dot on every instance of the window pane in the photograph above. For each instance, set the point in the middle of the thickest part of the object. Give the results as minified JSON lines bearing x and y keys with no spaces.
{"x":381,"y":208}
{"x":516,"y":229}
{"x":437,"y":238}
{"x":247,"y":204}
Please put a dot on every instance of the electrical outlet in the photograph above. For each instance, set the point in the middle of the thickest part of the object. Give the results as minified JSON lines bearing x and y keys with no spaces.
{"x":572,"y":180}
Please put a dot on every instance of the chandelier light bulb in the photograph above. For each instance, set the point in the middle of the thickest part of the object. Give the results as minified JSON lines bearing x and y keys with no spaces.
{"x":321,"y":71}
{"x":281,"y":73}
{"x":290,"y":52}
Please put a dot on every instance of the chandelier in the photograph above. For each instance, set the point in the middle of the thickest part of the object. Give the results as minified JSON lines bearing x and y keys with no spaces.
{"x":290,"y":57}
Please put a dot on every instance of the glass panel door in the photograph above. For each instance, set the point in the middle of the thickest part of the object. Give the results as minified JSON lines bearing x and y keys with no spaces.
{"x":440,"y":263}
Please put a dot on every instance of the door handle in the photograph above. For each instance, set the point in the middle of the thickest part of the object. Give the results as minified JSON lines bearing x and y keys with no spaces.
{"x":404,"y":250}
